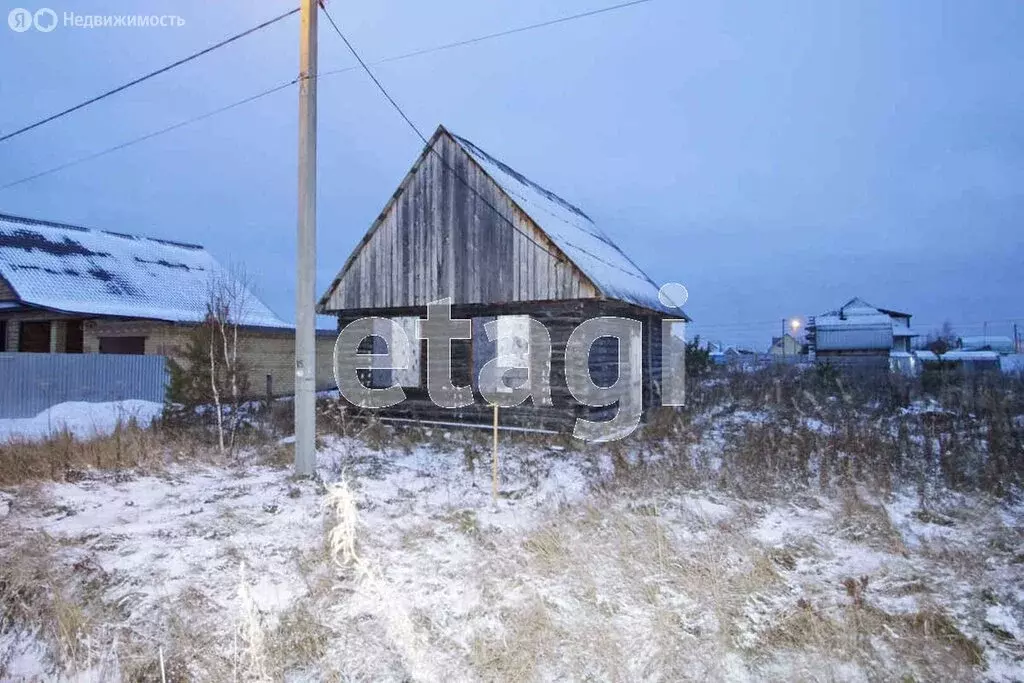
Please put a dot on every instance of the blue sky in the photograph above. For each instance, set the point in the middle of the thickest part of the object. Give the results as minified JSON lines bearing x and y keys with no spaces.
{"x":776,"y":158}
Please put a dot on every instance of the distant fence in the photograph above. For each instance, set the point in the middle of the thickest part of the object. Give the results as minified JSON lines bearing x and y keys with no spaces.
{"x":32,"y":382}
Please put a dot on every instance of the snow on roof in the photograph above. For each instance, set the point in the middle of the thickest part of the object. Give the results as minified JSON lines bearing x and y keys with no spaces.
{"x":960,"y":355}
{"x":899,"y":331}
{"x":94,"y":272}
{"x":593,"y":252}
{"x":853,"y":321}
{"x":992,"y":342}
{"x":857,"y":307}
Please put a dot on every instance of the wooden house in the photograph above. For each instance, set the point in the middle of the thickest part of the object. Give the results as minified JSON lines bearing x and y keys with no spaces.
{"x":465,"y":226}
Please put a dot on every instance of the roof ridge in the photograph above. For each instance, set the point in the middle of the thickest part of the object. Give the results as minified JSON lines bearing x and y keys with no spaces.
{"x":70,"y":226}
{"x":523,"y":179}
{"x":597,"y":232}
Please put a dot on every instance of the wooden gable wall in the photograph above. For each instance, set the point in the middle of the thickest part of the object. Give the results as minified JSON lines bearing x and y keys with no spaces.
{"x":438,"y":239}
{"x":6,"y":291}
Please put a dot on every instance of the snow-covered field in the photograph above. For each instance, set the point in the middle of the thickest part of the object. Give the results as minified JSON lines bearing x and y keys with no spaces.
{"x":590,"y":567}
{"x":80,"y":418}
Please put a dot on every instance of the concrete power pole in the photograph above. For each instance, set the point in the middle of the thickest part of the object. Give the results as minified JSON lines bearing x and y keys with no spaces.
{"x":305,"y":312}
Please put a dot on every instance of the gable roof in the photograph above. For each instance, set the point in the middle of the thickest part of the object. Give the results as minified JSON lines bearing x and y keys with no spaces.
{"x":857,"y":306}
{"x":73,"y":269}
{"x":572,"y":231}
{"x":589,"y":249}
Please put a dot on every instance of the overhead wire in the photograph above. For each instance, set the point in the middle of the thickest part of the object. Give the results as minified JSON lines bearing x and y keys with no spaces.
{"x":448,"y":167}
{"x":151,"y":74}
{"x":268,"y":91}
{"x":148,"y":136}
{"x":489,"y":36}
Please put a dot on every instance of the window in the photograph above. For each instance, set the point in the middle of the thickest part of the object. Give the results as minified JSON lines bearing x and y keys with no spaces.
{"x":371,"y":378}
{"x":34,"y":337}
{"x":603,"y":361}
{"x":462,"y":362}
{"x":74,"y":337}
{"x":3,"y":335}
{"x":409,"y":377}
{"x":511,"y":348}
{"x":132,"y":346}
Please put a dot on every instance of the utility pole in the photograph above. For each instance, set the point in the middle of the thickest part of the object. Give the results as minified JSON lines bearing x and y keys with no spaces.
{"x":305,"y":313}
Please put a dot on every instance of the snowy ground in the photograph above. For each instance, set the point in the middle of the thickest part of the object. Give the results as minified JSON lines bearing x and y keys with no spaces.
{"x":585,"y":570}
{"x":81,"y":418}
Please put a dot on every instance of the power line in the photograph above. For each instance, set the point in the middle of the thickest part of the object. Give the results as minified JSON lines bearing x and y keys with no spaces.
{"x":275,"y":89}
{"x":120,"y":88}
{"x":148,"y":136}
{"x":426,"y":142}
{"x":489,"y":36}
{"x":374,"y":78}
{"x":451,"y":170}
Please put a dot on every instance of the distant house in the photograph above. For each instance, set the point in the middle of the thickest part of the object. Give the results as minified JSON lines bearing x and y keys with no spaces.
{"x":465,"y":226}
{"x":786,"y":345}
{"x":70,"y":289}
{"x":858,"y":334}
{"x":999,"y":344}
{"x":965,"y":361}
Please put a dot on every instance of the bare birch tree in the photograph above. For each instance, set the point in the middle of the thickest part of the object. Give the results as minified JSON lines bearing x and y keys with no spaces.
{"x":228,"y":301}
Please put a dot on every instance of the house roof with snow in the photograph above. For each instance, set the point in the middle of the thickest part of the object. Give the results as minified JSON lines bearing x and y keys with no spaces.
{"x":72,"y":269}
{"x":989,"y":342}
{"x":453,"y":170}
{"x":589,"y":247}
{"x":858,"y":313}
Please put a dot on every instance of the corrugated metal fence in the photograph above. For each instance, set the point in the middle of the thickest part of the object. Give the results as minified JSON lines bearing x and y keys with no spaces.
{"x":32,"y":382}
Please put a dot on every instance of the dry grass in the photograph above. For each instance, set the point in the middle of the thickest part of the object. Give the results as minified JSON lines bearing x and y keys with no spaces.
{"x":658,"y":574}
{"x":301,"y":639}
{"x":40,"y":597}
{"x":65,"y":457}
{"x":865,"y":522}
{"x":514,"y":652}
{"x":925,"y":644}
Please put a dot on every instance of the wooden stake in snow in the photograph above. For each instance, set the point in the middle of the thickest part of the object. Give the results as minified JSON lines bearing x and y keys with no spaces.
{"x":494,"y":461}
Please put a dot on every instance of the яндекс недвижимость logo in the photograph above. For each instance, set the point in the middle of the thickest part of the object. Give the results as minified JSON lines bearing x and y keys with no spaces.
{"x":21,"y":19}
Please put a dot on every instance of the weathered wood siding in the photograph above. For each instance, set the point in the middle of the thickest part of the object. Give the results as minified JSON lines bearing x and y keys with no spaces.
{"x":6,"y":292}
{"x":560,"y":318}
{"x":437,"y":238}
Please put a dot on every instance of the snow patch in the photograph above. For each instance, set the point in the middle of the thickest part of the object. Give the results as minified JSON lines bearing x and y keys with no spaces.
{"x":81,"y":418}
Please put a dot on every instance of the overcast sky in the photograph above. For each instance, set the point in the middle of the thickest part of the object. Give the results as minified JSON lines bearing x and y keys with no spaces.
{"x":776,"y":158}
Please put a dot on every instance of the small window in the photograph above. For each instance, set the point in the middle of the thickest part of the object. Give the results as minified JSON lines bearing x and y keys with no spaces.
{"x":408,"y":360}
{"x":34,"y":337}
{"x":462,"y":362}
{"x":603,"y":361}
{"x":74,"y":339}
{"x":131,"y":346}
{"x":373,"y":378}
{"x":3,"y":335}
{"x":511,"y":350}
